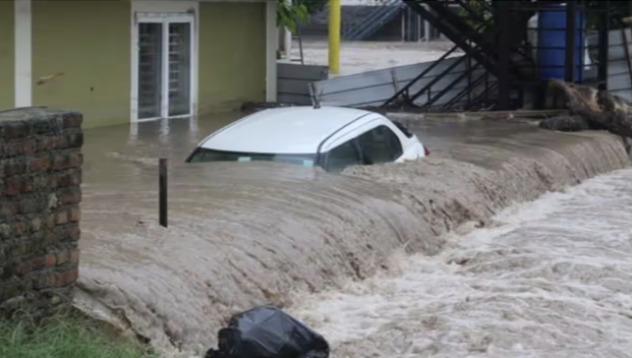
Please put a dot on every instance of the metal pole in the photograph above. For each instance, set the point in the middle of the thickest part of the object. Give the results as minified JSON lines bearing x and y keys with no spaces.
{"x":603,"y":50}
{"x":402,"y":25}
{"x":625,"y":44}
{"x":334,"y":29}
{"x":162,"y":195}
{"x":300,"y":36}
{"x":570,"y":44}
{"x":427,"y":28}
{"x":503,"y":23}
{"x":419,"y":27}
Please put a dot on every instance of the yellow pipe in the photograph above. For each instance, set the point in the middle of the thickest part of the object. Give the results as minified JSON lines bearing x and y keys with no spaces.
{"x":335,"y":36}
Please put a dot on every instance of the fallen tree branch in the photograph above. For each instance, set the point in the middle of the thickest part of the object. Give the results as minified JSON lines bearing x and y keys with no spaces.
{"x":590,"y":109}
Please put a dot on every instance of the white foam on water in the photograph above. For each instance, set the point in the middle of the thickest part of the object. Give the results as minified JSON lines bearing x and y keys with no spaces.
{"x":550,"y":278}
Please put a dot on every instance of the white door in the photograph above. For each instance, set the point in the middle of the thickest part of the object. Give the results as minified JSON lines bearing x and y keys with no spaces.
{"x":164,"y":66}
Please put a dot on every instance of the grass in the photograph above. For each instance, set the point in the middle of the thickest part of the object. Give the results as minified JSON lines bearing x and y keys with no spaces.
{"x":68,"y":335}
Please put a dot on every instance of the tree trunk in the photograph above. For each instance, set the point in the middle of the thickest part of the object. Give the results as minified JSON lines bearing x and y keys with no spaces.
{"x":600,"y":109}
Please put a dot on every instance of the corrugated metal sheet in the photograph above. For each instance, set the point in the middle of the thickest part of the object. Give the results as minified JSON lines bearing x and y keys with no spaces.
{"x":375,"y":87}
{"x":619,"y":75}
{"x":293,"y":82}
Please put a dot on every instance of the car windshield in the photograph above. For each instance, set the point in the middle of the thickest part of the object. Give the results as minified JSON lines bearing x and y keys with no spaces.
{"x":202,"y":155}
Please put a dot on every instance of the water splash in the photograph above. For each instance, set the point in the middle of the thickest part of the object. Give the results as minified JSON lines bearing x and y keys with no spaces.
{"x":552,"y":278}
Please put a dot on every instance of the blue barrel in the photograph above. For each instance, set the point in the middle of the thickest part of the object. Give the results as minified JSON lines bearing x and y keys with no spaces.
{"x":552,"y":43}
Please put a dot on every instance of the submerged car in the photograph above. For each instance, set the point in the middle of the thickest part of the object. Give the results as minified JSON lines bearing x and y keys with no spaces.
{"x":329,"y":137}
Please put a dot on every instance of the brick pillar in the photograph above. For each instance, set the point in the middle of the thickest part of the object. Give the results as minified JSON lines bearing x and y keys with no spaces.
{"x":40,"y":192}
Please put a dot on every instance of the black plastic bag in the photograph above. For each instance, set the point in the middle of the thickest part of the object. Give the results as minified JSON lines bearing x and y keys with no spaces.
{"x":267,"y":332}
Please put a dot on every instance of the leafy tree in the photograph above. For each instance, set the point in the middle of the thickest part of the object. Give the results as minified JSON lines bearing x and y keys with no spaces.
{"x":313,"y":6}
{"x":289,"y":14}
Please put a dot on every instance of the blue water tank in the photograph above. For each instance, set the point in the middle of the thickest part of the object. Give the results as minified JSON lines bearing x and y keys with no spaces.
{"x":552,"y":42}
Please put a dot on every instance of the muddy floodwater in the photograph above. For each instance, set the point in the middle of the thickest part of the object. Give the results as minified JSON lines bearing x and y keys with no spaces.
{"x":551,"y":278}
{"x":245,"y":234}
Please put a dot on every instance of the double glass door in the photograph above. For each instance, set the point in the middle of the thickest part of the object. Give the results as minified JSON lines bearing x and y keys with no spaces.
{"x":164,"y":66}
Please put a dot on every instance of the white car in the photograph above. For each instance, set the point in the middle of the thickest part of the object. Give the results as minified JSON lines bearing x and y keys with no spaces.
{"x":330,"y":137}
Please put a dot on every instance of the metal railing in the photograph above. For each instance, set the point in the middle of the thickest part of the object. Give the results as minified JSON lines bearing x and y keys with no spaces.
{"x":374,"y":21}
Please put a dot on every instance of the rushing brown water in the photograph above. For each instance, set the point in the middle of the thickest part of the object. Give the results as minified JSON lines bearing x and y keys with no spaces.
{"x":549,"y":279}
{"x":247,"y":234}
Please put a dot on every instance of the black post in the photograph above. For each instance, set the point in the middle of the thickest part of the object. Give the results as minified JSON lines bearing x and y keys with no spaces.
{"x":503,"y":25}
{"x":162,"y":183}
{"x":603,"y":49}
{"x":570,"y":44}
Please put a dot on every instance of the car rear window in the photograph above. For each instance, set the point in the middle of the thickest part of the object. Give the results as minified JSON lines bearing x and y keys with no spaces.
{"x":202,"y":155}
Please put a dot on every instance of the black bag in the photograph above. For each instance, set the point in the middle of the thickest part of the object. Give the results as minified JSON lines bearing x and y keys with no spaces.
{"x":267,"y":332}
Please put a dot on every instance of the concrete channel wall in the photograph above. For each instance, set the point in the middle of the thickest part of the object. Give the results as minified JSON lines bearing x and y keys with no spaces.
{"x":40,"y":178}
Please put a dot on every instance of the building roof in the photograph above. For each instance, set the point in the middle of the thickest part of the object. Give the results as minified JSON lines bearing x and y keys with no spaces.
{"x":295,"y":130}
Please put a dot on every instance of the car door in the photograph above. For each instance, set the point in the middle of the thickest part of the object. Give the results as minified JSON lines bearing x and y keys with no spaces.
{"x":380,"y":145}
{"x":343,"y":156}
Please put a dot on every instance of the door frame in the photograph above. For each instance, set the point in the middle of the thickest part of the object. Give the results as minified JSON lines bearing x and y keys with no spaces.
{"x":164,"y":12}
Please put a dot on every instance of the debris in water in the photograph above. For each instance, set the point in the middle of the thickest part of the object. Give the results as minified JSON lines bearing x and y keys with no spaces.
{"x":267,"y":332}
{"x":590,"y":108}
{"x":566,"y":123}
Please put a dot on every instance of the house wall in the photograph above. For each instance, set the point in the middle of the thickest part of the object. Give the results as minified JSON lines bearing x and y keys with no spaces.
{"x":88,"y":45}
{"x":89,"y":42}
{"x":7,"y":54}
{"x":232,"y":58}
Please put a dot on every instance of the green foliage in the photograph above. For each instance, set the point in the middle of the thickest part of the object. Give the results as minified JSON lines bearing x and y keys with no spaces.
{"x":479,"y":8}
{"x":289,"y":14}
{"x":618,"y":9}
{"x":64,"y":336}
{"x":313,"y":6}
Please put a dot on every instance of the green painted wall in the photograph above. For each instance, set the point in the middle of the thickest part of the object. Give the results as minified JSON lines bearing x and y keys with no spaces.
{"x":7,"y":55}
{"x":89,"y":42}
{"x":232,"y":60}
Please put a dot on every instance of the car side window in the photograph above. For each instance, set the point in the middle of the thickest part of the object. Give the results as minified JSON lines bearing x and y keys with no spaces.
{"x":380,"y":145}
{"x":343,"y":156}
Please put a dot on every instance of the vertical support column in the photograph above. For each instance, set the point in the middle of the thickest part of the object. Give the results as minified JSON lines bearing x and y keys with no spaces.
{"x":503,"y":22}
{"x":23,"y":54}
{"x":403,"y":26}
{"x":272,"y":37}
{"x":419,"y":29}
{"x":570,"y":43}
{"x":603,"y":50}
{"x":427,"y":27}
{"x":288,"y":43}
{"x":334,"y":32}
{"x":625,"y":47}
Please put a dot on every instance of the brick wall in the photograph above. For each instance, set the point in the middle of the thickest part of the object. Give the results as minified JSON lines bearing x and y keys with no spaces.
{"x":40,"y":178}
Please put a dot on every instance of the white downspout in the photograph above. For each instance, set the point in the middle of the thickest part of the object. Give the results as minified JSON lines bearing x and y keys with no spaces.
{"x":272,"y":36}
{"x":23,"y":54}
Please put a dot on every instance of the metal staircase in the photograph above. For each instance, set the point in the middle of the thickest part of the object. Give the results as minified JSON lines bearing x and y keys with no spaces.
{"x":477,"y":30}
{"x":373,"y":21}
{"x":498,"y":59}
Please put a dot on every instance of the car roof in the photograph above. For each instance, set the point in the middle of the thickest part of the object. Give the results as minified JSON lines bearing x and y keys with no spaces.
{"x":294,"y":130}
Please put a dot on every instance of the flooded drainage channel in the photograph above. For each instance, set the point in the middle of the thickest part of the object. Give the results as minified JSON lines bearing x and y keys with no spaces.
{"x":241,"y":235}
